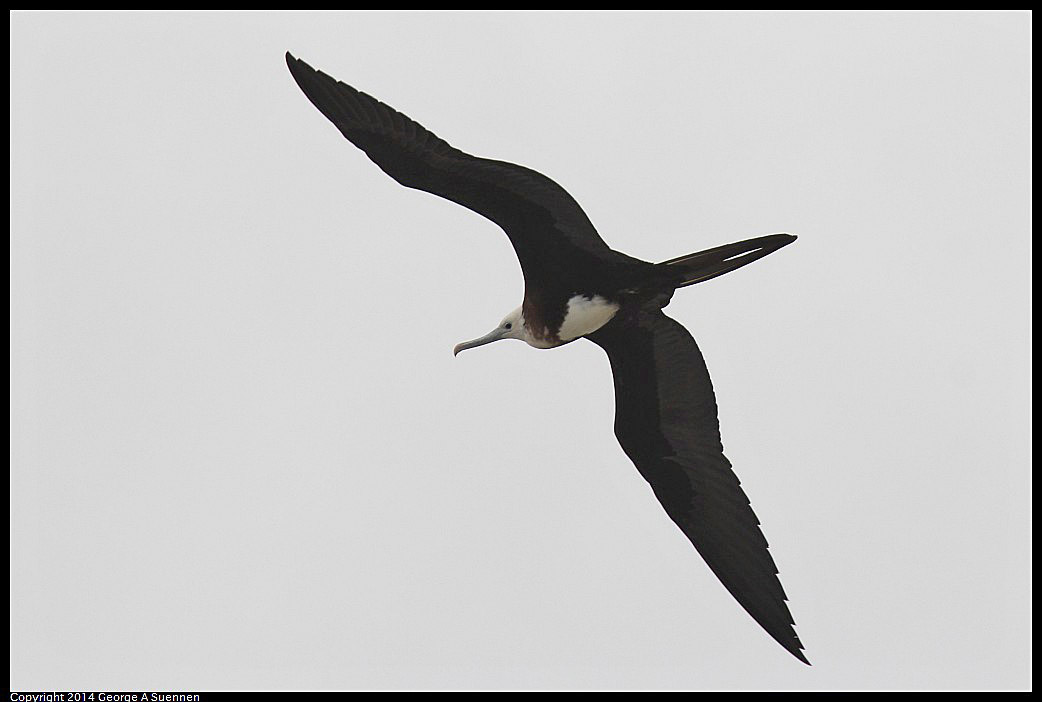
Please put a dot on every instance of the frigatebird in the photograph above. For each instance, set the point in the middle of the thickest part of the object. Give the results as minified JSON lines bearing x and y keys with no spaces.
{"x":576,"y":286}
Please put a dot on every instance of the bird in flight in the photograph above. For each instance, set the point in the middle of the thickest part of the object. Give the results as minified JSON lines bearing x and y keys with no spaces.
{"x":576,"y":286}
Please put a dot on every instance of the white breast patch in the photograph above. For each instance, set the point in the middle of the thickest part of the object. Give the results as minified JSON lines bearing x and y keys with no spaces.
{"x":586,"y":315}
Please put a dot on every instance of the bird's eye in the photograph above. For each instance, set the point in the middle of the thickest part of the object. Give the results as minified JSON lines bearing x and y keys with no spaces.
{"x":507,"y":325}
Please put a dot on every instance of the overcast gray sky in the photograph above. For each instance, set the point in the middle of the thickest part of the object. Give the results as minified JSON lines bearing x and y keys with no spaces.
{"x":243,"y":455}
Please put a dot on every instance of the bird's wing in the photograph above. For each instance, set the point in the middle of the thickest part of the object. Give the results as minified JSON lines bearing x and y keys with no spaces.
{"x":543,"y":221}
{"x":666,"y":421}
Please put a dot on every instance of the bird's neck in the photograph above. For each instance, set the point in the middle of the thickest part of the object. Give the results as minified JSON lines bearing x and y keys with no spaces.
{"x":553,"y":323}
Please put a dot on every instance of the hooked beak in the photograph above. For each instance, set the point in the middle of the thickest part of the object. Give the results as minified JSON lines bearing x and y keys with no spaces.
{"x":494,"y":335}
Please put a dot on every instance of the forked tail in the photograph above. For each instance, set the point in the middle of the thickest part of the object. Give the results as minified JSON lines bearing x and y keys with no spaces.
{"x":701,"y":266}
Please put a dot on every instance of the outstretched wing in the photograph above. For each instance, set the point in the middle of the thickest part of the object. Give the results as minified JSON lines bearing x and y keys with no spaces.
{"x":544,"y":223}
{"x":666,"y":421}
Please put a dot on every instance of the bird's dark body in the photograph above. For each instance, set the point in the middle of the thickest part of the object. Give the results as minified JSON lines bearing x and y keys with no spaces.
{"x":629,"y":284}
{"x":666,"y":413}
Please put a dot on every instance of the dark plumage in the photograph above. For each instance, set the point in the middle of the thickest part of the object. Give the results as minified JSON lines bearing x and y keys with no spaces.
{"x":666,"y":416}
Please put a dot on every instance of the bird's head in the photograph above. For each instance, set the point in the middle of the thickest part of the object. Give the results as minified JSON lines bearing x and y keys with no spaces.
{"x":512,"y":327}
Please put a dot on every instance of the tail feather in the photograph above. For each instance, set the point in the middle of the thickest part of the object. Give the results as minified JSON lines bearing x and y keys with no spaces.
{"x":704,"y":265}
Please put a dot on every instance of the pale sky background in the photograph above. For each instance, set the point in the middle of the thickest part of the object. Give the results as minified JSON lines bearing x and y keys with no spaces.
{"x":243,"y":455}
